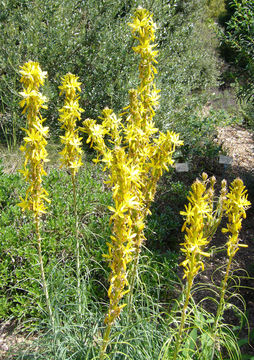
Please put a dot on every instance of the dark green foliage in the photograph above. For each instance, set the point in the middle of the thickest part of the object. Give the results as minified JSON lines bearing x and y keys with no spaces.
{"x":188,"y":69}
{"x":216,"y":8}
{"x":238,"y":45}
{"x":165,"y":221}
{"x":200,"y":135}
{"x":92,"y":39}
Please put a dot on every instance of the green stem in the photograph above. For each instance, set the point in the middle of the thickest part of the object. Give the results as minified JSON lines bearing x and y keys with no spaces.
{"x":132,"y":281}
{"x":222,"y":296}
{"x":220,"y":308}
{"x":77,"y":240}
{"x":183,"y":317}
{"x":105,"y":342}
{"x":44,"y":283}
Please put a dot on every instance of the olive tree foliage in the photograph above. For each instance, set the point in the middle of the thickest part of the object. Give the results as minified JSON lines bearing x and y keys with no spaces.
{"x":188,"y":64}
{"x":237,"y":46}
{"x":91,"y":39}
{"x":238,"y":42}
{"x":215,"y":8}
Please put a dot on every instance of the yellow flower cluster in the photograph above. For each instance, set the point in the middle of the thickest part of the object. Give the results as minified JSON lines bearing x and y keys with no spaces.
{"x":195,"y":213}
{"x":235,"y":207}
{"x":32,"y":76}
{"x":35,"y":140}
{"x":202,"y":216}
{"x":69,"y":114}
{"x":124,"y":178}
{"x":143,"y":29}
{"x":136,"y":156}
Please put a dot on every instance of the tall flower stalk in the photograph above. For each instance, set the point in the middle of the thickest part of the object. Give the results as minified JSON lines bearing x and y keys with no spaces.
{"x":71,"y":155}
{"x":135,"y":154}
{"x":235,"y":208}
{"x":202,"y":217}
{"x":32,"y":77}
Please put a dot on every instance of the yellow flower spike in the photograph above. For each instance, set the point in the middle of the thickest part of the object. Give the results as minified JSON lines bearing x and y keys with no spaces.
{"x":235,"y":207}
{"x":70,"y":85}
{"x":135,"y":158}
{"x":69,"y":114}
{"x":32,"y":75}
{"x":35,"y":153}
{"x":202,"y":217}
{"x":196,"y":214}
{"x":235,"y":204}
{"x":35,"y":141}
{"x":71,"y":155}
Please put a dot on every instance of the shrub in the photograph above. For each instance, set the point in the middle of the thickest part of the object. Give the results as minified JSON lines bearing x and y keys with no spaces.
{"x":216,"y":8}
{"x":90,"y":39}
{"x":237,"y":44}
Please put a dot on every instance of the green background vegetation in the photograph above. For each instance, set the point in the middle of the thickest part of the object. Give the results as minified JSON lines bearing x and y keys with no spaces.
{"x":90,"y":39}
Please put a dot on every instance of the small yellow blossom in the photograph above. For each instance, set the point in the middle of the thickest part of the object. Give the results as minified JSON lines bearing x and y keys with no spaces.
{"x":70,"y":85}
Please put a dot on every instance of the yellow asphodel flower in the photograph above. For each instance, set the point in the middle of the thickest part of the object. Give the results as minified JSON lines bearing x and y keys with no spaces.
{"x":202,"y":216}
{"x":195,"y":241}
{"x":135,"y":158}
{"x":69,"y":114}
{"x":35,"y":154}
{"x":71,"y":155}
{"x":35,"y":139}
{"x":235,"y":207}
{"x":70,"y":85}
{"x":32,"y":75}
{"x":32,"y":102}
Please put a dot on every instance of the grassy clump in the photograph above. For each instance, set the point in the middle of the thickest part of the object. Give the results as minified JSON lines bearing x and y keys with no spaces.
{"x":18,"y":268}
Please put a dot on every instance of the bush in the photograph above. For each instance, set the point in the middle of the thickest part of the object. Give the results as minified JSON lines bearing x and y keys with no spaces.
{"x":237,"y":44}
{"x":90,"y":39}
{"x":216,"y":8}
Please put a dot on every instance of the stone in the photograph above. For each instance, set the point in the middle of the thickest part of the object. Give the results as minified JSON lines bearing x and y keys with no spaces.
{"x":182,"y":167}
